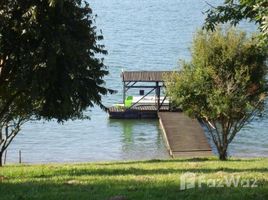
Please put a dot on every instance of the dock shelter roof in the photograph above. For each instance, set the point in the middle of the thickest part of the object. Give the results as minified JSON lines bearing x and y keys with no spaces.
{"x":144,"y":76}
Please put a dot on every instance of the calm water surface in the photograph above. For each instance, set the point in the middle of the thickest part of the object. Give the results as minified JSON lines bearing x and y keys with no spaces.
{"x":139,"y":35}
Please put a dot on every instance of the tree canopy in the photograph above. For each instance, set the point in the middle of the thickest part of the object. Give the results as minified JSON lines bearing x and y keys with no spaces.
{"x":48,"y":57}
{"x":234,"y":11}
{"x":51,"y":63}
{"x":224,"y":85}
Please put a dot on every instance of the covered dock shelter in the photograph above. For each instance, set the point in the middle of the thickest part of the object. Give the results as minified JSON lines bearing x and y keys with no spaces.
{"x":142,"y":80}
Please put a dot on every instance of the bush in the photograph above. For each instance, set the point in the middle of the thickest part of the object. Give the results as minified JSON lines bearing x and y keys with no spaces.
{"x":224,"y":84}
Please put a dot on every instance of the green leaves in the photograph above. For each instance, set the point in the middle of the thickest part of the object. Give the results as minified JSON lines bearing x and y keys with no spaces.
{"x":52,"y":57}
{"x":235,"y":11}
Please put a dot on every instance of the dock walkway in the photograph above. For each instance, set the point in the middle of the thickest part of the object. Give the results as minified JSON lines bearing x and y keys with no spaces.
{"x":184,"y":136}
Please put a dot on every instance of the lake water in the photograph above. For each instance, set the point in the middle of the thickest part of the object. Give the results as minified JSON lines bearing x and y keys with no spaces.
{"x":139,"y":35}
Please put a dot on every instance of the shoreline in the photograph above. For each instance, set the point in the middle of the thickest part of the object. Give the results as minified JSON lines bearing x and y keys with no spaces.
{"x":214,"y":157}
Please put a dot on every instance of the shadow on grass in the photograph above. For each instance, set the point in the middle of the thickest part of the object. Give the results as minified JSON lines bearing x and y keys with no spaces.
{"x":135,"y":171}
{"x":131,"y":189}
{"x":101,"y":181}
{"x":158,"y":161}
{"x":197,"y":159}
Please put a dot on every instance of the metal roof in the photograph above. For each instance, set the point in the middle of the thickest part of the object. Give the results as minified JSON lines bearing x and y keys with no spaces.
{"x":144,"y":76}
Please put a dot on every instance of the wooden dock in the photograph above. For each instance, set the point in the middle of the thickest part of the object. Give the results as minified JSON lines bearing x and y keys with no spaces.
{"x":184,"y":136}
{"x":137,"y":112}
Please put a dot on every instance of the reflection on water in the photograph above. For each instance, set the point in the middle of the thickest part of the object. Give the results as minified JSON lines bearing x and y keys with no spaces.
{"x":137,"y":140}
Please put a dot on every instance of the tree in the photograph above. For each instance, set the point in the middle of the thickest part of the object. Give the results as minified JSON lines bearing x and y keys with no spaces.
{"x":234,"y":11}
{"x":224,"y":85}
{"x":50,"y":62}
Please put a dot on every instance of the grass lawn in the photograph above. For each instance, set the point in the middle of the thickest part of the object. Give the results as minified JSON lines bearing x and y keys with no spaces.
{"x":137,"y":180}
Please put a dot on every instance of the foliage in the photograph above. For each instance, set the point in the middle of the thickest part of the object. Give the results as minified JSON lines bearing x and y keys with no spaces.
{"x":224,"y":85}
{"x":141,"y":180}
{"x":234,"y":11}
{"x":50,"y":59}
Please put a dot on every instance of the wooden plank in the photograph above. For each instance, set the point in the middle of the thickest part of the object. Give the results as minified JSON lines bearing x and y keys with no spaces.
{"x":184,"y":136}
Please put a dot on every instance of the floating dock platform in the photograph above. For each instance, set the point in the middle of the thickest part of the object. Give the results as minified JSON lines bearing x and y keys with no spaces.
{"x":137,"y":112}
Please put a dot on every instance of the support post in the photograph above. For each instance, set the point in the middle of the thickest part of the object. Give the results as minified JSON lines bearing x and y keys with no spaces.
{"x":124,"y":92}
{"x":20,"y":156}
{"x":5,"y":157}
{"x":158,"y":95}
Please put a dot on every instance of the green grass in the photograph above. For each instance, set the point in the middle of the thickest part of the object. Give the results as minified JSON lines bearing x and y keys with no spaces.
{"x":139,"y":180}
